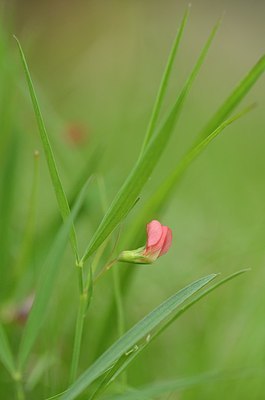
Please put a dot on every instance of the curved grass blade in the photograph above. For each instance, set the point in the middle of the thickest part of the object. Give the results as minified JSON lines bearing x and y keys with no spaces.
{"x":8,"y":187}
{"x":152,"y":391}
{"x":6,"y":355}
{"x":145,"y":165}
{"x":163,"y":194}
{"x":133,"y":336}
{"x":125,"y":361}
{"x":164,"y":82}
{"x":28,"y":237}
{"x":46,"y":284}
{"x":234,"y":98}
{"x":54,"y":174}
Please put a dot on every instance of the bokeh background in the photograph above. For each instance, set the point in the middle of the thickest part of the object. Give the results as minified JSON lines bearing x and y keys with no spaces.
{"x":97,"y":66}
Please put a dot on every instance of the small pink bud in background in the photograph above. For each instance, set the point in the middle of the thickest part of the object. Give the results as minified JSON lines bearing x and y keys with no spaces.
{"x":18,"y":313}
{"x":22,"y":312}
{"x":159,"y":239}
{"x":76,"y":134}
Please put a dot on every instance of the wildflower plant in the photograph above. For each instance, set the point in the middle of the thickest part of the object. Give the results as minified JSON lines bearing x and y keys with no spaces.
{"x":111,"y":365}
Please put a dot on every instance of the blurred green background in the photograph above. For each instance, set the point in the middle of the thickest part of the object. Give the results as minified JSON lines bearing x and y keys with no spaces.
{"x":97,"y":66}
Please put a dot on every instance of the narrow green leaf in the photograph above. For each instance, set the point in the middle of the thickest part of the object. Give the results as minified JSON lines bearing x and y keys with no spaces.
{"x":234,"y":98}
{"x":124,"y":361}
{"x":200,"y":296}
{"x":133,"y":185}
{"x":46,"y":284}
{"x":8,"y":186}
{"x":164,"y":82}
{"x":55,"y":178}
{"x":6,"y":355}
{"x":136,"y":333}
{"x":155,"y":390}
{"x":28,"y":236}
{"x":163,"y":194}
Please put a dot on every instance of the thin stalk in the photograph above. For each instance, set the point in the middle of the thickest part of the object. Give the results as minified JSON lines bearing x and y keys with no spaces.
{"x":115,"y":275}
{"x":19,"y":387}
{"x":31,"y":218}
{"x":120,"y":311}
{"x":78,"y":335}
{"x":164,"y":83}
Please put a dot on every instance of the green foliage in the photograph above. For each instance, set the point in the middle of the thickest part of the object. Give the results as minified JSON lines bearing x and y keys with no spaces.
{"x":140,"y":331}
{"x":6,"y":355}
{"x":46,"y":285}
{"x":217,"y":222}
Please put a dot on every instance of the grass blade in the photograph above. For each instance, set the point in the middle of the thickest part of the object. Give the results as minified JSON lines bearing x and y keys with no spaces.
{"x":8,"y":187}
{"x":136,"y":333}
{"x":164,"y":82}
{"x":124,"y":361}
{"x":234,"y":98}
{"x":130,"y":190}
{"x":46,"y":283}
{"x":6,"y":355}
{"x":163,"y":194}
{"x":152,"y":391}
{"x":55,"y":178}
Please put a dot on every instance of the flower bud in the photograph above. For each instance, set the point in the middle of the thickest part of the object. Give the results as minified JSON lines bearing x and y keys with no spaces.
{"x":159,"y":238}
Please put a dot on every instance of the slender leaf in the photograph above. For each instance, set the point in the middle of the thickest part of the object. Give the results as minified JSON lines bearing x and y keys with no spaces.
{"x":133,"y":185}
{"x":126,"y":360}
{"x":164,"y":82}
{"x":55,"y":178}
{"x":8,"y":187}
{"x":46,"y":284}
{"x":152,"y":391}
{"x":135,"y":334}
{"x":163,"y":194}
{"x":6,"y":355}
{"x":234,"y":98}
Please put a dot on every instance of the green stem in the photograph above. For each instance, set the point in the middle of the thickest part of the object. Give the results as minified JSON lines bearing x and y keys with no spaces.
{"x":78,"y":335}
{"x":19,"y":387}
{"x":120,"y":311}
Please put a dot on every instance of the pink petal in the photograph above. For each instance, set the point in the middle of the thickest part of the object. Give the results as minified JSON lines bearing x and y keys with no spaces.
{"x":167,"y":241}
{"x":154,"y":233}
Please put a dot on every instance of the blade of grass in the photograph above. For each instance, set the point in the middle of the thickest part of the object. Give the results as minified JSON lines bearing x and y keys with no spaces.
{"x":46,"y":284}
{"x":149,"y":392}
{"x":164,"y":192}
{"x":154,"y":390}
{"x":125,"y":361}
{"x":164,"y":82}
{"x":9,"y":170}
{"x":28,"y":237}
{"x":54,"y":174}
{"x":6,"y":355}
{"x":145,"y":165}
{"x":234,"y":98}
{"x":136,"y":333}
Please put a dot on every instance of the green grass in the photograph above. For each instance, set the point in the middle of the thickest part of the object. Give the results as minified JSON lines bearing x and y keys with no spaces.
{"x":193,"y":168}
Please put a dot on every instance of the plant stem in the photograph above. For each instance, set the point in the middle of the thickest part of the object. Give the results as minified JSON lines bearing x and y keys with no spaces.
{"x":19,"y":387}
{"x":78,"y":335}
{"x":120,"y":311}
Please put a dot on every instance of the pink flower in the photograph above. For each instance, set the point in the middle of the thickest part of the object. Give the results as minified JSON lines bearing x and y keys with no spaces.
{"x":159,"y":238}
